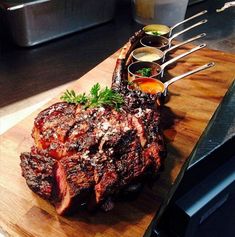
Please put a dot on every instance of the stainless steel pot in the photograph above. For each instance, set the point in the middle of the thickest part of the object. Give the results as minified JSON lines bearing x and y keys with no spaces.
{"x":34,"y":22}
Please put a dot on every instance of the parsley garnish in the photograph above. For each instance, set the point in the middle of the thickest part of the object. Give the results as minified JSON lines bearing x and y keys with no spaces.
{"x":156,"y":33}
{"x":96,"y":98}
{"x":146,"y":72}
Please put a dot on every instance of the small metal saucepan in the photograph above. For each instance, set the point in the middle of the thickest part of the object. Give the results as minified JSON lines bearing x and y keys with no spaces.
{"x":162,"y":42}
{"x":133,"y":67}
{"x":142,"y":69}
{"x":157,"y":29}
{"x":146,"y":54}
{"x":153,"y":86}
{"x":157,"y":55}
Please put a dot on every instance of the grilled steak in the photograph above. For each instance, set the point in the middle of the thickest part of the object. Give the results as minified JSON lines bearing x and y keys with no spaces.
{"x":39,"y":174}
{"x":85,"y":157}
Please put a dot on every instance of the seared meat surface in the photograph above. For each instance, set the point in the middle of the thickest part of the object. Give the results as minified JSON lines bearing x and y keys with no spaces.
{"x":39,"y":173}
{"x":85,"y":157}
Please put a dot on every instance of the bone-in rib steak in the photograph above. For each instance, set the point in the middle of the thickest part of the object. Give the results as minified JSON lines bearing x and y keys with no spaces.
{"x":86,"y":157}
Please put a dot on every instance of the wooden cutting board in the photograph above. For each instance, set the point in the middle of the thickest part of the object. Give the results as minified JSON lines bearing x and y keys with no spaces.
{"x":191,"y":104}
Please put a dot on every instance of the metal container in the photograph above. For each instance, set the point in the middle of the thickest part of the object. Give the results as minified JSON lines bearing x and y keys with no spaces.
{"x":167,"y":12}
{"x":34,"y":22}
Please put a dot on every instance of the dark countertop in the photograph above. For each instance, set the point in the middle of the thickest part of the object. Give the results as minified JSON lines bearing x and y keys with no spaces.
{"x":25,"y":72}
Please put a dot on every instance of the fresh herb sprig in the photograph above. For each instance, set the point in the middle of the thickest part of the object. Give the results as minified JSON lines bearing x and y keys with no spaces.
{"x":155,"y":33}
{"x":71,"y":97}
{"x":146,"y":71}
{"x":96,"y":98}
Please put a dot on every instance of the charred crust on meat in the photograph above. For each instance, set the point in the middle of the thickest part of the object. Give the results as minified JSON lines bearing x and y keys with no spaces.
{"x":86,"y":158}
{"x":39,"y":173}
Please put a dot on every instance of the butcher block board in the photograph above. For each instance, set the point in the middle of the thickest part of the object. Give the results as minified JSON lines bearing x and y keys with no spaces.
{"x":192,"y":102}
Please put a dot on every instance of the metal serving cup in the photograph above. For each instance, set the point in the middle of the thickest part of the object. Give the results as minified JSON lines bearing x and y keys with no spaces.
{"x":162,"y":88}
{"x":134,"y":67}
{"x":166,"y":51}
{"x":155,"y":53}
{"x":166,"y":30}
{"x":163,"y":42}
{"x":162,"y":67}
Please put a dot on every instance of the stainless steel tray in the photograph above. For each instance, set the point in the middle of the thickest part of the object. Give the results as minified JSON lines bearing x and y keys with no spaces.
{"x":34,"y":22}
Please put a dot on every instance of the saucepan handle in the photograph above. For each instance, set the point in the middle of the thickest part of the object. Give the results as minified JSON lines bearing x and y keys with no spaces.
{"x":186,"y":29}
{"x":183,"y":43}
{"x":181,"y":56}
{"x":186,"y":20}
{"x":201,"y":68}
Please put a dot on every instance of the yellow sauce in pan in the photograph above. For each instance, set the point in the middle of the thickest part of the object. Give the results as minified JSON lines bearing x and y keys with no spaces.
{"x":149,"y":57}
{"x":156,"y":29}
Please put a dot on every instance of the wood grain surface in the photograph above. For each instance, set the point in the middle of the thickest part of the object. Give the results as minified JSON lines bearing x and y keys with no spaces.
{"x":192,"y":102}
